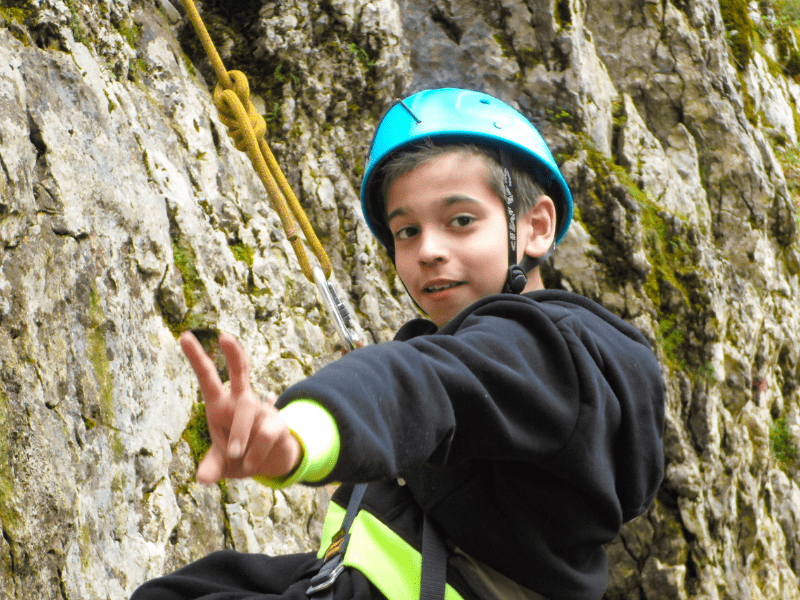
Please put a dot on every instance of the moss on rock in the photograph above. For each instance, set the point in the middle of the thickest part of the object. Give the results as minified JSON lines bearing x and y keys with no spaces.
{"x":739,"y":30}
{"x":197,"y":434}
{"x":8,"y":514}
{"x":782,"y":443}
{"x":194,"y":289}
{"x":243,"y":253}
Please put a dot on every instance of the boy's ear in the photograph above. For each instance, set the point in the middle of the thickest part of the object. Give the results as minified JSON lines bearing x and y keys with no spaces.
{"x":536,"y":229}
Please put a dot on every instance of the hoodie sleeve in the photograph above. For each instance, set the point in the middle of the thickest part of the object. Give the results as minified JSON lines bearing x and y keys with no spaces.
{"x":507,"y":380}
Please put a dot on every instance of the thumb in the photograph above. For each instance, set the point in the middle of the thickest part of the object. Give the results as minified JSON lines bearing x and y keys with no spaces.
{"x":209,"y":471}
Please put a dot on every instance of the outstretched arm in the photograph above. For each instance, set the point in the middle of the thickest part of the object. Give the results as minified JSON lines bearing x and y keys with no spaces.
{"x":248,"y":437}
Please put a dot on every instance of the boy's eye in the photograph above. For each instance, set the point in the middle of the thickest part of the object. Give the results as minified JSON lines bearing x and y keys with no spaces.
{"x":463,"y":220}
{"x":405,"y":232}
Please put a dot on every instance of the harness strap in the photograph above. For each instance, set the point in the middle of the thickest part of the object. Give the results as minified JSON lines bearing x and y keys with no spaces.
{"x":322,"y":582}
{"x":433,"y":572}
{"x":434,"y":563}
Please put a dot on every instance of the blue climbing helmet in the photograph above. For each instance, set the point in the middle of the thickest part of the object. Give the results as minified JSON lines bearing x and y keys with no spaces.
{"x":453,"y":115}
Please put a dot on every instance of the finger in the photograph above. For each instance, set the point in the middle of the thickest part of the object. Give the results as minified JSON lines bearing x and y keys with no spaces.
{"x":279,"y":449}
{"x":219,"y":423}
{"x":270,"y":398}
{"x":261,"y":440}
{"x":209,"y":471}
{"x":213,"y":465}
{"x":244,"y":419}
{"x":238,"y":365}
{"x":203,"y":366}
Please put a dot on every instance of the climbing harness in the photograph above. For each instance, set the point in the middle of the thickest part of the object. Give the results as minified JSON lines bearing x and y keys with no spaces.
{"x":247,"y":128}
{"x":332,"y":566}
{"x":380,"y":554}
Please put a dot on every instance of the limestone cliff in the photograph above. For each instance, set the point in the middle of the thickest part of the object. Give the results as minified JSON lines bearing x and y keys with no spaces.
{"x":126,"y":216}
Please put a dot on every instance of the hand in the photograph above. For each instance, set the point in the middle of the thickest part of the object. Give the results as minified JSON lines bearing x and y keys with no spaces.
{"x":248,"y":437}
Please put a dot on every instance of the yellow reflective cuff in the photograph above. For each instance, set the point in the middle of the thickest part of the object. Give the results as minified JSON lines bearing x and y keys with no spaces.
{"x":387,"y":560}
{"x":315,"y":429}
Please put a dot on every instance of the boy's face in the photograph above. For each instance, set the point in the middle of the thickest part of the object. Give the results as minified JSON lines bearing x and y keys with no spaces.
{"x":450,"y":234}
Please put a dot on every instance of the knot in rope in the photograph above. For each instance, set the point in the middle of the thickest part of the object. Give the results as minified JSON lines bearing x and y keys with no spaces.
{"x":247,"y":128}
{"x":227,"y":112}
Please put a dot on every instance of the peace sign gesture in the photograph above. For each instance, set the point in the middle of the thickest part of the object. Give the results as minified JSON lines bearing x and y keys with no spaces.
{"x":248,"y":437}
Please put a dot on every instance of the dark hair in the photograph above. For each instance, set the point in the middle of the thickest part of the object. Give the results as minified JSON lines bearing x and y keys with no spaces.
{"x":526,"y":190}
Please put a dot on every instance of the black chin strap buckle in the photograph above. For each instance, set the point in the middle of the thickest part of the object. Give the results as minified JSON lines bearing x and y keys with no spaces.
{"x":516,"y":280}
{"x":518,"y":274}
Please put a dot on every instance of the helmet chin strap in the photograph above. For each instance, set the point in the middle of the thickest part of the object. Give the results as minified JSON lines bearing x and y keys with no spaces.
{"x":517,"y":276}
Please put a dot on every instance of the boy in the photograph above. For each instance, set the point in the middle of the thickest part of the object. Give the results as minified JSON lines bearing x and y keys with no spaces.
{"x":509,"y":435}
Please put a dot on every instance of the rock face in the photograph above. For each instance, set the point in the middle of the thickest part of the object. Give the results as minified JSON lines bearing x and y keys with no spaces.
{"x":126,"y":216}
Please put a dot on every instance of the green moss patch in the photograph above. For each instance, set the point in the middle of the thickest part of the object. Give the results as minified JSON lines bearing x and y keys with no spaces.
{"x":672,"y":283}
{"x":97,"y":353}
{"x":8,"y":515}
{"x":781,"y":442}
{"x":193,"y":287}
{"x":739,"y":30}
{"x":197,"y":434}
{"x":131,"y":31}
{"x":362,"y":56}
{"x":504,"y":41}
{"x":560,"y":115}
{"x":13,"y":14}
{"x":670,"y":338}
{"x":243,"y":253}
{"x":787,"y":12}
{"x":75,"y":23}
{"x":184,"y":258}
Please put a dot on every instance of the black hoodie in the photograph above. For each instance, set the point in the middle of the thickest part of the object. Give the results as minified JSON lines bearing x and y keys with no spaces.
{"x":528,"y":428}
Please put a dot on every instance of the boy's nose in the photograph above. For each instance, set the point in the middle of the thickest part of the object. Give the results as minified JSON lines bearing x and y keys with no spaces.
{"x":432,"y":249}
{"x":428,"y":263}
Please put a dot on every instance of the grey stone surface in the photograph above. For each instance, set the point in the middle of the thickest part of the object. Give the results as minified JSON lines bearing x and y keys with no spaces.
{"x":126,"y":215}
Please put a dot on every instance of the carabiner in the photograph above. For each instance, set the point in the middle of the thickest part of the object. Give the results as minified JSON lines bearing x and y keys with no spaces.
{"x":336,"y":309}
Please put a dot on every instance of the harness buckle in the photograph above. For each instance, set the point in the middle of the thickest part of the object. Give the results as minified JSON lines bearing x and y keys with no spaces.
{"x":325,"y":579}
{"x":338,"y":542}
{"x":333,"y":564}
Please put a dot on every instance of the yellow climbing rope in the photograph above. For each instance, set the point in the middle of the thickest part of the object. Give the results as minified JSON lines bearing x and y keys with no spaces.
{"x":246,"y":127}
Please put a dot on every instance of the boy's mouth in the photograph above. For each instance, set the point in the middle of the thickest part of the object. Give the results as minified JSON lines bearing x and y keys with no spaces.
{"x":432,"y":289}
